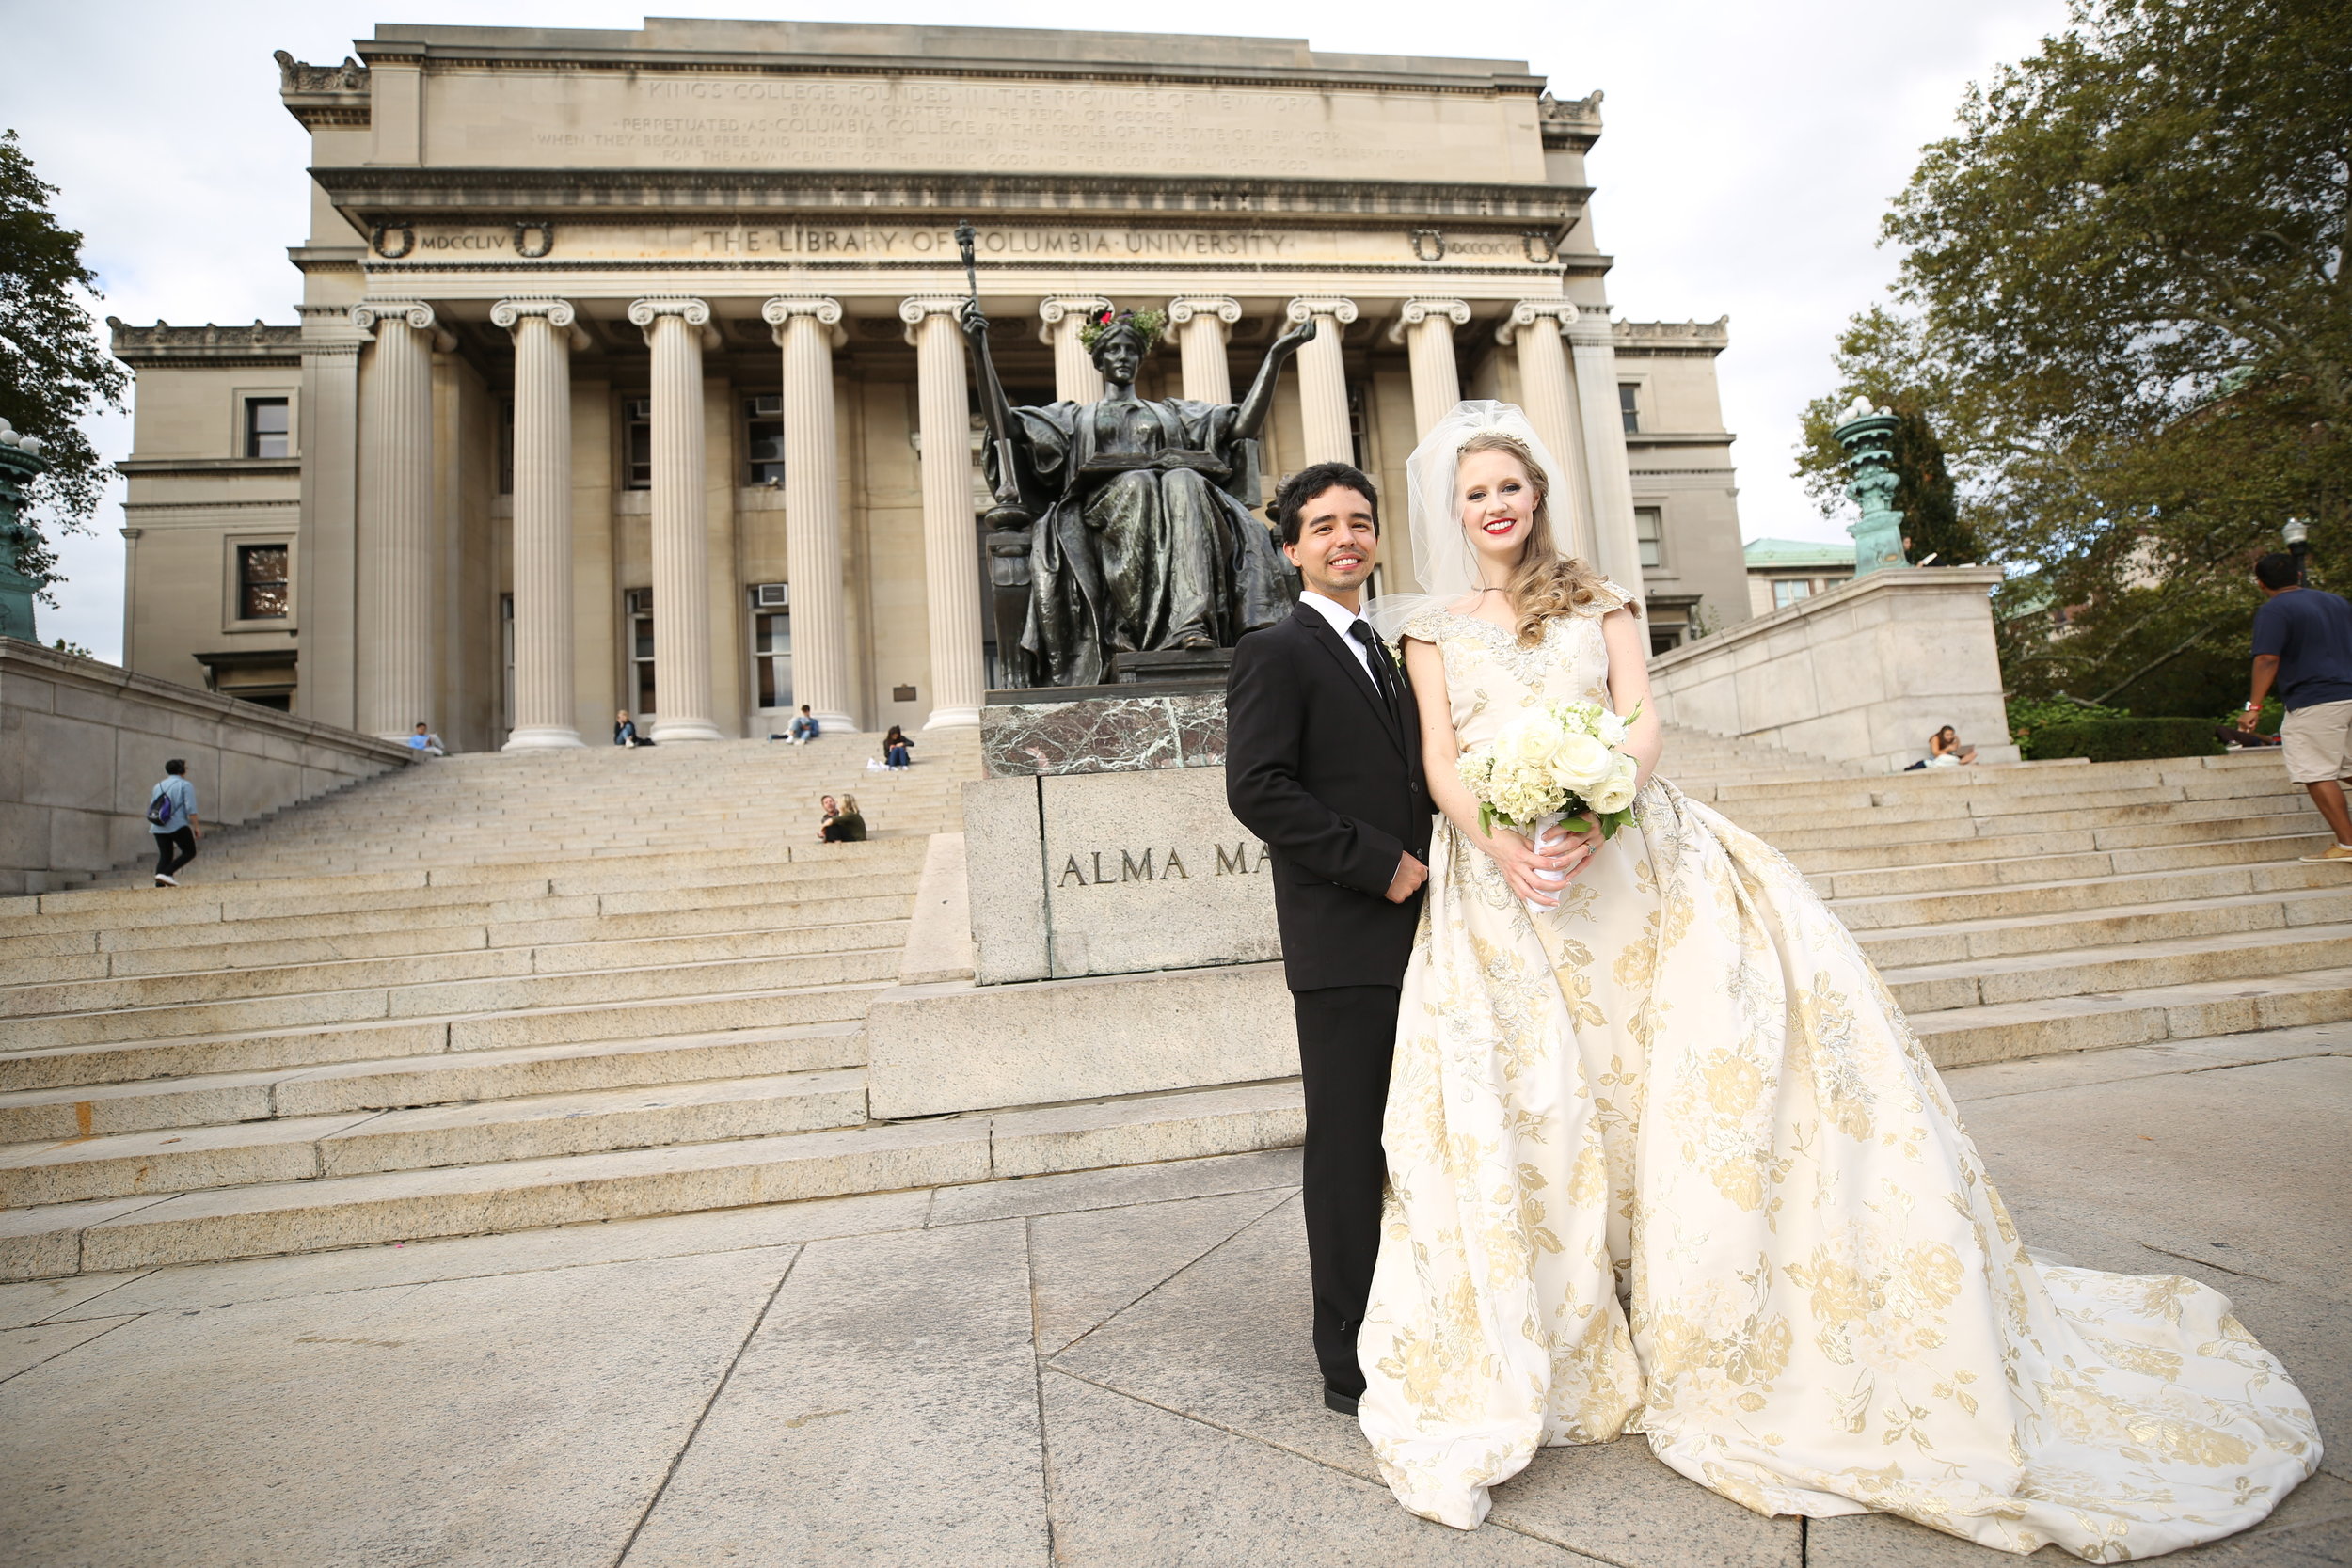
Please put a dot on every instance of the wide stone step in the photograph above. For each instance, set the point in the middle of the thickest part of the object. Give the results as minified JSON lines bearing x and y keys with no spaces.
{"x":387,"y":933}
{"x":1867,"y":915}
{"x":95,"y":1011}
{"x":2029,"y":870}
{"x":1960,"y":941}
{"x":302,"y":1148}
{"x":279,"y":1217}
{"x":2137,"y":1016}
{"x":196,"y":903}
{"x":2182,"y":960}
{"x":1874,"y":855}
{"x":230,"y":1049}
{"x":145,"y":1105}
{"x":1929,"y":829}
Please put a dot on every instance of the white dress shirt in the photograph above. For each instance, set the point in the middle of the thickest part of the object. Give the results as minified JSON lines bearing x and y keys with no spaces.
{"x":1341,"y":618}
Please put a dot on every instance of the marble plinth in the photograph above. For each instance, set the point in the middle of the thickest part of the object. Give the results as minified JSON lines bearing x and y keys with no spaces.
{"x":1103,"y":729}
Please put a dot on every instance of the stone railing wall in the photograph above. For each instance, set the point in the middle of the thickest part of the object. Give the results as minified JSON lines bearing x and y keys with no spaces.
{"x":1861,"y":674}
{"x":82,"y":743}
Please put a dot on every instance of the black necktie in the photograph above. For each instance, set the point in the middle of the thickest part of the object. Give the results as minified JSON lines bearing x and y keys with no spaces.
{"x":1377,"y":658}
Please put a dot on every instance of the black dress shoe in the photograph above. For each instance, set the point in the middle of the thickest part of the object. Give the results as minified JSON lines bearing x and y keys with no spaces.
{"x":1334,"y":1400}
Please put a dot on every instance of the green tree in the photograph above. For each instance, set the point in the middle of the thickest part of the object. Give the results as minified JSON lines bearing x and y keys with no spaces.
{"x":54,"y":371}
{"x":2123,"y":310}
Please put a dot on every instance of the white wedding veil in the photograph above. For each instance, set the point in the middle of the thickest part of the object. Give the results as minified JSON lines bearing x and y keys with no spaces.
{"x":1444,"y":562}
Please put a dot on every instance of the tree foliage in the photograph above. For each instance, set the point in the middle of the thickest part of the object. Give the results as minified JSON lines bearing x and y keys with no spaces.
{"x":53,"y":369}
{"x":2124,"y":314}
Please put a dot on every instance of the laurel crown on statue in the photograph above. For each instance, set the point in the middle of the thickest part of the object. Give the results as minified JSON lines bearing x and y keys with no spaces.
{"x":1148,"y":325}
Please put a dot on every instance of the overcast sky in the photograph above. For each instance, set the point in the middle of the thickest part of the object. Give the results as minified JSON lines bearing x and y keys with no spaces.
{"x":1748,"y":156}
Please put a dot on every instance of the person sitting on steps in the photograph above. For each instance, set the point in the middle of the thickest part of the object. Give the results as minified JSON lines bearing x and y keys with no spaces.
{"x":625,"y":731}
{"x":897,"y":751}
{"x":845,"y":825}
{"x":422,"y":739}
{"x":804,"y":729}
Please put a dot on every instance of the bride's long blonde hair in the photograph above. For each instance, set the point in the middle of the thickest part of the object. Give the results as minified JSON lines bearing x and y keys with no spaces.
{"x":1547,"y":582}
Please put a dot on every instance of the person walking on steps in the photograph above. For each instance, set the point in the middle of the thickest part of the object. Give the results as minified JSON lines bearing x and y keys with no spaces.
{"x":2303,"y":646}
{"x":172,"y":818}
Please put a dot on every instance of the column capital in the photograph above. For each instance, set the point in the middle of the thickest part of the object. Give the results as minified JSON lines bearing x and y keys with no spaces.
{"x":918,"y":308}
{"x":779,"y":312}
{"x":1224,"y":310}
{"x":416,"y":312}
{"x":1341,"y":310}
{"x":1412,"y":313}
{"x":1055,"y":308}
{"x":644,"y":313}
{"x":1527,"y":312}
{"x":559,"y":313}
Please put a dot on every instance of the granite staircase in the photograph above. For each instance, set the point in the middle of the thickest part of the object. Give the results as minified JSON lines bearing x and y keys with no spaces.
{"x":489,"y":994}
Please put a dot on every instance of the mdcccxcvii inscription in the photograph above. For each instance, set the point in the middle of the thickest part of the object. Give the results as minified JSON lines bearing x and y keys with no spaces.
{"x":1106,"y":867}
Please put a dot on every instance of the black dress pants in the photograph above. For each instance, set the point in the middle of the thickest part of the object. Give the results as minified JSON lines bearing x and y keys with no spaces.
{"x":174,"y":849}
{"x":1347,"y":1036}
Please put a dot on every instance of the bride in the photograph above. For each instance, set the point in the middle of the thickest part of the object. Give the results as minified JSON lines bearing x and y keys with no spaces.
{"x":1663,"y":1156}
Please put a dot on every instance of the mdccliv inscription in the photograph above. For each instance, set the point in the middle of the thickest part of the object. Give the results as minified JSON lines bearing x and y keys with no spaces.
{"x":1137,"y":511}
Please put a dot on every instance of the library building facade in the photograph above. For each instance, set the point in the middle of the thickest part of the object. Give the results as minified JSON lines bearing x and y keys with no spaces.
{"x":626,"y":373}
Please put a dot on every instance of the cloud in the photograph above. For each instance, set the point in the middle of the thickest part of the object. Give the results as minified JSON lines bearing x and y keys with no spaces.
{"x":1749,"y":153}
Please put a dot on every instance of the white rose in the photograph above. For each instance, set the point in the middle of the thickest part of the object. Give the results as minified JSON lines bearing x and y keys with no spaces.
{"x":1614,"y":730}
{"x":1614,"y":793}
{"x":1581,"y":761}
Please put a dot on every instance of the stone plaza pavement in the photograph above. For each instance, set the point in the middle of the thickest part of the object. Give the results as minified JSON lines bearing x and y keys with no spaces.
{"x":1103,"y":1367}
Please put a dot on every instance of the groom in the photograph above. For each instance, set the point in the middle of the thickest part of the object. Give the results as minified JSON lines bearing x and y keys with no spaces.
{"x":1322,"y":763}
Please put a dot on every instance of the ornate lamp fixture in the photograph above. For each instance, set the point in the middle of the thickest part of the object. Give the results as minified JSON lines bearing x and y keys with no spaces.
{"x":21,"y":463}
{"x":1868,"y":436}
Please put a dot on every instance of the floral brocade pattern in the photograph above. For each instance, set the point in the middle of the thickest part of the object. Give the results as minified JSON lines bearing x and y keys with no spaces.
{"x":1669,"y":1160}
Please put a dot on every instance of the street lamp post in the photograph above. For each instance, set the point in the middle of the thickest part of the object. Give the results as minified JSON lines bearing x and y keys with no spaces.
{"x":2297,"y":533}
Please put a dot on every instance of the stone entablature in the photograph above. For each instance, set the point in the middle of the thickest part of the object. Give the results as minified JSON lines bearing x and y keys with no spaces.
{"x":163,"y":343}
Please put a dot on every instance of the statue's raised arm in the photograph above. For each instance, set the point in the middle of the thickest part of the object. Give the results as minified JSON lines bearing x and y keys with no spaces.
{"x":1260,"y":402}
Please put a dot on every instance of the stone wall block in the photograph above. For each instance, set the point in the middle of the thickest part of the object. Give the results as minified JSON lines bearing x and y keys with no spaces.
{"x":1149,"y":871}
{"x":79,"y":841}
{"x":78,"y":762}
{"x":1005,"y":868}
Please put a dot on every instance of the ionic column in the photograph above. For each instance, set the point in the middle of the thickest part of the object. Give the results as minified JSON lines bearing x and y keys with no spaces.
{"x":808,"y":329}
{"x":1594,"y":345}
{"x":1533,"y":325}
{"x":1323,"y":381}
{"x":1075,"y":379}
{"x":543,"y":331}
{"x":395,"y":565}
{"x":1426,"y":327}
{"x":681,"y":552}
{"x":1204,"y":320}
{"x":951,"y":560}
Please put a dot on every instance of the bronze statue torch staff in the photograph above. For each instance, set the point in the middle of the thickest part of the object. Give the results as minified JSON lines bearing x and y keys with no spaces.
{"x":1008,"y":513}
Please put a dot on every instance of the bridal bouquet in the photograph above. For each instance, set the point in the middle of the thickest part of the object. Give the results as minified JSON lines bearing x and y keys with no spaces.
{"x":1556,"y":763}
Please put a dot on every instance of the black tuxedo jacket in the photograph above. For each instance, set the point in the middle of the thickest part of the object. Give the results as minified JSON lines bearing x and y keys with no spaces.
{"x":1327,"y":774}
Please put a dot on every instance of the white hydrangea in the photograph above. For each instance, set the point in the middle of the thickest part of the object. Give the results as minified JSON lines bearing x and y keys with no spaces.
{"x":1554,"y":756}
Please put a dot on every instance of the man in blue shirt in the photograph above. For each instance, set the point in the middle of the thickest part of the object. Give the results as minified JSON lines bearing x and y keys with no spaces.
{"x":172,"y":818}
{"x":2303,"y":646}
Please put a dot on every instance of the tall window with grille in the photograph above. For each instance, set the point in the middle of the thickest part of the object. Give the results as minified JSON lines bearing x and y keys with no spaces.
{"x":763,"y":438}
{"x":261,"y":582}
{"x":268,"y":427}
{"x":1649,"y":534}
{"x":636,"y":609}
{"x":637,"y":444}
{"x":771,"y":643}
{"x":1629,"y":404}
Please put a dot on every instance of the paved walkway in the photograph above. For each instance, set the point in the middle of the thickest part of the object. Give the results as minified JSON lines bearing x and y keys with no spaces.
{"x":1101,"y":1368}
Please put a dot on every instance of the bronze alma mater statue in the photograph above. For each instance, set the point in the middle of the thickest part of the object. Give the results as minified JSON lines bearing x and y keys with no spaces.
{"x":1137,"y":512}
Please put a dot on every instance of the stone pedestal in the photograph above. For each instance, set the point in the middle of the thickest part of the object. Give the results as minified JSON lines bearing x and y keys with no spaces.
{"x":1120,"y":934}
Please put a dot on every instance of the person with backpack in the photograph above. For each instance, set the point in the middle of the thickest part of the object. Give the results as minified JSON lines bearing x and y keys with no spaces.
{"x":172,"y":818}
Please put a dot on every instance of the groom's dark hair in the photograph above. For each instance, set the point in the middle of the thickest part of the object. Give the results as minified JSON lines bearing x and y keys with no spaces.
{"x":1306,"y":485}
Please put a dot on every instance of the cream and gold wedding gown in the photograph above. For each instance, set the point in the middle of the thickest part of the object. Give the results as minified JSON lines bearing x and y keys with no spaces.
{"x":1669,"y":1160}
